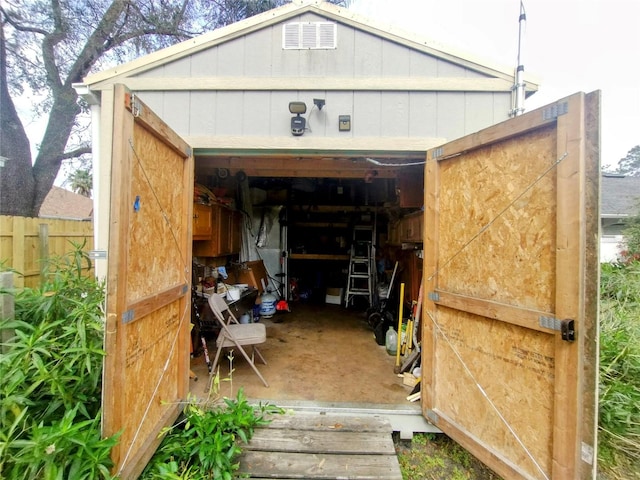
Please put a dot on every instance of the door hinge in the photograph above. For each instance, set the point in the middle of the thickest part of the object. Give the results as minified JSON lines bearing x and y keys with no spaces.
{"x":554,"y":111}
{"x":127,"y":316}
{"x":136,"y":107}
{"x":565,"y":327}
{"x":434,"y":296}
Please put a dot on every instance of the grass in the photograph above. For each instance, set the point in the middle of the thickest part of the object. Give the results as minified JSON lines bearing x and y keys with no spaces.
{"x":438,"y":457}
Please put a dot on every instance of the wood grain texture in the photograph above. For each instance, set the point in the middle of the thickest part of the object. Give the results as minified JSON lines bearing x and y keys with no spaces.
{"x":317,"y":446}
{"x":147,"y":340}
{"x":513,"y":214}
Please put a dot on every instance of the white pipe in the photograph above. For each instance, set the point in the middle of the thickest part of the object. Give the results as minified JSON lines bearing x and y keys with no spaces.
{"x":519,"y":86}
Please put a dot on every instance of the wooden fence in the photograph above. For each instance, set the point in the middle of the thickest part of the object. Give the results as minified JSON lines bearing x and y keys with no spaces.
{"x":26,"y":243}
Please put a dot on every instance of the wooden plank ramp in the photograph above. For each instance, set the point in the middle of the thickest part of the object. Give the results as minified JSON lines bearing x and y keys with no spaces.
{"x":322,"y":446}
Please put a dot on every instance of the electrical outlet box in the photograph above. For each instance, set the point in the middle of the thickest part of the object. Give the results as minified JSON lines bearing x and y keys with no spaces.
{"x":344,"y":123}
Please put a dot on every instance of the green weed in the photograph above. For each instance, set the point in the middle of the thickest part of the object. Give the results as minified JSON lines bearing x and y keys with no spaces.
{"x":206,"y":442}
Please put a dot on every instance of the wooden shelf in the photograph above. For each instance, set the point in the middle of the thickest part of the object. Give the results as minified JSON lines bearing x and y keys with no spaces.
{"x":317,"y":256}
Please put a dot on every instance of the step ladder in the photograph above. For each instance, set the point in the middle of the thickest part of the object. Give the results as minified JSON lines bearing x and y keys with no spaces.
{"x":361,"y":277}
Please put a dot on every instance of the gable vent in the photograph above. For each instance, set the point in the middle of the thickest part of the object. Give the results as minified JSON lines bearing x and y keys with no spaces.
{"x":309,"y":35}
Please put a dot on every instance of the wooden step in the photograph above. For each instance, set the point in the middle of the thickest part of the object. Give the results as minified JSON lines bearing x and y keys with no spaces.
{"x":318,"y":446}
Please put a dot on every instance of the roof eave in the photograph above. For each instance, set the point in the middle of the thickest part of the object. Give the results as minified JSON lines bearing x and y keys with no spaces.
{"x":290,"y":10}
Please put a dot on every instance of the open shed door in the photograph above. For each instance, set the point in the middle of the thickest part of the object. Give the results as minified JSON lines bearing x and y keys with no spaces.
{"x":510,"y":332}
{"x":148,"y":306}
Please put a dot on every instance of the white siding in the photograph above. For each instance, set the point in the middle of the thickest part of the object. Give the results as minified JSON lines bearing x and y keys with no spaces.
{"x":202,"y":113}
{"x":390,"y":113}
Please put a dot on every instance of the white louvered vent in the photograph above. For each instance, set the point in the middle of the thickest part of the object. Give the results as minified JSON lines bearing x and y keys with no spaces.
{"x":309,"y":35}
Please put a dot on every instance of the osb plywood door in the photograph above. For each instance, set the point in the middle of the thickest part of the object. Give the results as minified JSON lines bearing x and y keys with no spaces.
{"x":511,"y":269}
{"x":148,"y":309}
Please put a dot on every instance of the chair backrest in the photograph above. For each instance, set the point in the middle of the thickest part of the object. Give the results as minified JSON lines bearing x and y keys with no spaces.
{"x":219,"y":306}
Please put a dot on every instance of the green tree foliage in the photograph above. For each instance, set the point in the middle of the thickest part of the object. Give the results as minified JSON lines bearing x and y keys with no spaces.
{"x":48,"y":45}
{"x":630,"y":165}
{"x":81,"y":181}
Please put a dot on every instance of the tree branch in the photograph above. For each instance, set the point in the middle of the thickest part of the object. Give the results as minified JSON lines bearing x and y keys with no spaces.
{"x":73,"y":153}
{"x":98,"y":42}
{"x":18,"y":26}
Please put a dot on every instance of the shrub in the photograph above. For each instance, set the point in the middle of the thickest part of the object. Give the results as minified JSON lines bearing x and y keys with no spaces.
{"x":50,"y":378}
{"x":619,"y":403}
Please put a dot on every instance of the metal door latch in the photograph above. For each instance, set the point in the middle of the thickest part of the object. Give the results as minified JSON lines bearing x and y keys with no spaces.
{"x":567,"y":330}
{"x":565,"y":327}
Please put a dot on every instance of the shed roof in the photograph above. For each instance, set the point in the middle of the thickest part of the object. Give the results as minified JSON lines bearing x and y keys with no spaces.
{"x":620,"y":196}
{"x":295,"y":8}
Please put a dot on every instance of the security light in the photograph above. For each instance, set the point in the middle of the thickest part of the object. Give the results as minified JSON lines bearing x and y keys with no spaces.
{"x":298,"y":123}
{"x":318,"y":102}
{"x":297,"y":107}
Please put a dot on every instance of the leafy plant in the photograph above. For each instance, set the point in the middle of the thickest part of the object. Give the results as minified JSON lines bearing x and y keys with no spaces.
{"x":50,"y":378}
{"x":619,"y":403}
{"x":205,"y":443}
{"x":632,"y":240}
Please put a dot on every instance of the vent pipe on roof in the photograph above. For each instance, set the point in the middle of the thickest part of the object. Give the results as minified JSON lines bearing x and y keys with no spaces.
{"x":517,"y":92}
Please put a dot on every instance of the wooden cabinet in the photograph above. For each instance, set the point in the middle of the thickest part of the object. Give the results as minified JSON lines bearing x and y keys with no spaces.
{"x":201,"y":222}
{"x":412,"y":231}
{"x":225,"y":234}
{"x":408,"y":229}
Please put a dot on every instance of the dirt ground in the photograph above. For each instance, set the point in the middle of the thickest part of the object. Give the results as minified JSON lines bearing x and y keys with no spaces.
{"x":437,"y":457}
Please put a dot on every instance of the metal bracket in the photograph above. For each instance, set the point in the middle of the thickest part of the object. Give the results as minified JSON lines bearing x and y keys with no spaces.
{"x":568,"y":330}
{"x":432,"y":417}
{"x":434,"y":296}
{"x":554,"y":111}
{"x":436,"y":153}
{"x":565,"y":327}
{"x":98,"y":254}
{"x":135,"y":106}
{"x":127,"y":316}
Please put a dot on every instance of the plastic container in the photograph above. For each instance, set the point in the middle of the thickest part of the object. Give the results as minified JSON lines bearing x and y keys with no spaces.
{"x":267,"y":304}
{"x":391,"y":341}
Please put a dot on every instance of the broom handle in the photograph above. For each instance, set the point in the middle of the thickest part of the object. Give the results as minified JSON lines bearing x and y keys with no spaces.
{"x":400,"y":326}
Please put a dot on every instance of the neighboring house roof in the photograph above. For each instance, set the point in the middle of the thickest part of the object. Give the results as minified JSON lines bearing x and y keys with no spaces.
{"x":620,"y":196}
{"x":61,"y":203}
{"x":297,"y":7}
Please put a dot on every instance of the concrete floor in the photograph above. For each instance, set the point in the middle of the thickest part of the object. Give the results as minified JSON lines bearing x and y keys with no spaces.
{"x":315,"y":353}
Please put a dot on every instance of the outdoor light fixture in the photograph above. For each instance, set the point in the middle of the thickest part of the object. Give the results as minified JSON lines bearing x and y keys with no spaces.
{"x":318,"y":102}
{"x":298,"y":123}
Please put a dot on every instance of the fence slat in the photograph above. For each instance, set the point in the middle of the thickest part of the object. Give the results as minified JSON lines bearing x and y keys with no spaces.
{"x":7,"y":308}
{"x":30,"y":241}
{"x":44,"y":250}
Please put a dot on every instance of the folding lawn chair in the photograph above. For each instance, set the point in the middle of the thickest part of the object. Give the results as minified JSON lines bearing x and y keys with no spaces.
{"x":234,"y":334}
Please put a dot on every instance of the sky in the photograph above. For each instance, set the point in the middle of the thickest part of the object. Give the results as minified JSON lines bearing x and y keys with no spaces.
{"x":569,"y":46}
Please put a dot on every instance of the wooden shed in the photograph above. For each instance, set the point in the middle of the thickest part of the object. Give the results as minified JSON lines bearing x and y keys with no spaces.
{"x":319,"y":121}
